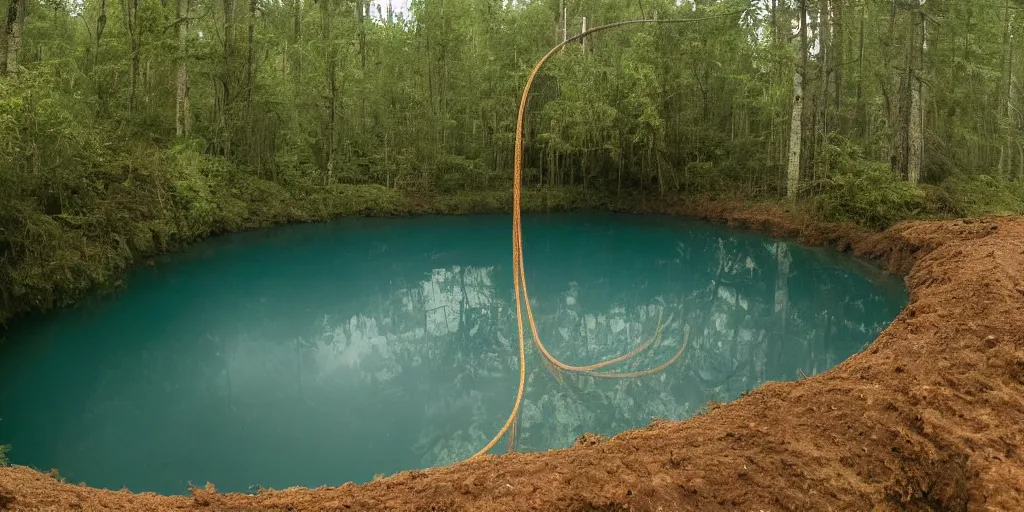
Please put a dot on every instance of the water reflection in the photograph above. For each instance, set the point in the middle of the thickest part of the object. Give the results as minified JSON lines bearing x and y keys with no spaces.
{"x":315,"y":355}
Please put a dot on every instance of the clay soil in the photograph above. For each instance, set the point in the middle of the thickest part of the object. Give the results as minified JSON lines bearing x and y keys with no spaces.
{"x":929,"y":417}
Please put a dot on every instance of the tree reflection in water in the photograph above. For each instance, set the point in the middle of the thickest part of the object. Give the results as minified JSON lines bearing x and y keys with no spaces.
{"x":758,"y":310}
{"x":313,"y":355}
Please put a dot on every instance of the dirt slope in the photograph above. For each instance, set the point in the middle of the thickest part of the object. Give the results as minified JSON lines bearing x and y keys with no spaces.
{"x":929,"y":417}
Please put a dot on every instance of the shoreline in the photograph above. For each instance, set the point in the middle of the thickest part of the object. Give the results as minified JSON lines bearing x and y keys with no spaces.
{"x":927,"y":417}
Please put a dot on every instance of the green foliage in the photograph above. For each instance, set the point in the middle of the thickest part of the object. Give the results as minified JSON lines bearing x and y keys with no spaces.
{"x":980,"y":195}
{"x":318,"y":112}
{"x":4,"y":450}
{"x":869,"y":194}
{"x":454,"y":173}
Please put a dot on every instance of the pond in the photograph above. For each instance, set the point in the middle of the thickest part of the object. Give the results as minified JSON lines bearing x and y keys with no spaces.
{"x":319,"y":354}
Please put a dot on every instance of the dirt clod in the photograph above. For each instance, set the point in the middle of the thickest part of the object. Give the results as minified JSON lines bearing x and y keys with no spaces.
{"x":6,"y":498}
{"x":588,"y":439}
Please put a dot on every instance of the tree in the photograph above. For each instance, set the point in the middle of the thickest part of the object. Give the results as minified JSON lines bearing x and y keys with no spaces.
{"x":13,"y":25}
{"x":331,"y":68}
{"x":796,"y":123}
{"x":183,"y":113}
{"x":131,"y":22}
{"x":915,"y":123}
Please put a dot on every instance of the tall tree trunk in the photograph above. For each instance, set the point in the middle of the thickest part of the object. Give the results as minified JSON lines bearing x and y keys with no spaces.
{"x":915,"y":124}
{"x":796,"y":118}
{"x":897,"y":94}
{"x":101,"y":23}
{"x":361,"y":17}
{"x":862,"y":110}
{"x":1006,"y":149}
{"x":562,"y":30}
{"x":226,"y":79}
{"x":1012,"y":120}
{"x":4,"y":22}
{"x":12,"y":37}
{"x":779,"y":150}
{"x":296,"y":40}
{"x":915,"y":140}
{"x":362,"y":12}
{"x":825,"y":70}
{"x":795,"y":136}
{"x":100,"y":85}
{"x":1020,"y":162}
{"x":838,"y":54}
{"x":131,"y":16}
{"x":250,"y":58}
{"x":332,"y":84}
{"x":182,"y":112}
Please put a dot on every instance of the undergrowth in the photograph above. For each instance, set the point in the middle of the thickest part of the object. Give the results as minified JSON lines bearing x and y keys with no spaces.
{"x":870,"y":195}
{"x":151,"y":201}
{"x":109,"y":203}
{"x":980,"y":195}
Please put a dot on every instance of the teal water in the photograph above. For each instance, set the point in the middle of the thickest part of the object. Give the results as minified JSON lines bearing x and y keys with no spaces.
{"x":320,"y":354}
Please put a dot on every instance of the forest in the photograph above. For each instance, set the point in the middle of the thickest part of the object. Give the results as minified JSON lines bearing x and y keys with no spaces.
{"x":132,"y":127}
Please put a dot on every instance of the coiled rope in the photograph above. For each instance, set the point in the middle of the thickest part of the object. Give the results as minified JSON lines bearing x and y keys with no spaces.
{"x":519,"y":274}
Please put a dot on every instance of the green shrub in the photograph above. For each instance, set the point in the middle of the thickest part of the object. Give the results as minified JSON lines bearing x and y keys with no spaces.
{"x":4,"y":448}
{"x":869,"y":194}
{"x":339,"y":199}
{"x":454,"y":173}
{"x":190,"y":190}
{"x":980,"y":195}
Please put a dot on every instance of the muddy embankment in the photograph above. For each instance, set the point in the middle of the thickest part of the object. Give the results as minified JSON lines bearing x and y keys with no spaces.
{"x":929,"y":417}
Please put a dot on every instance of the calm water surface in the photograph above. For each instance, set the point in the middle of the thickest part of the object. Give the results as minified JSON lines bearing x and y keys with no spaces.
{"x":319,"y":354}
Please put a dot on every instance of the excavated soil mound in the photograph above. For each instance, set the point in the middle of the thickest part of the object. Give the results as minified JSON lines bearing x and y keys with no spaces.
{"x":929,"y":417}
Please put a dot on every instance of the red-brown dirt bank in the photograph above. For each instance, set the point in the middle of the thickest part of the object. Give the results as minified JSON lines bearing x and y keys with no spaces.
{"x":929,"y":417}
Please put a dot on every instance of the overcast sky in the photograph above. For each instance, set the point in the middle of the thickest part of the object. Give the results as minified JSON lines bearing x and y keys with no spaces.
{"x":397,"y":5}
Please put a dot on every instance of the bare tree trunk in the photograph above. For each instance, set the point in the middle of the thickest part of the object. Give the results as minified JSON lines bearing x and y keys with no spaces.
{"x":101,"y":23}
{"x":101,"y":89}
{"x":897,"y":94}
{"x":1019,"y":175}
{"x":249,"y":60}
{"x":796,"y":119}
{"x":296,"y":39}
{"x":778,"y":135}
{"x":1012,"y":119}
{"x":838,"y":54}
{"x":131,"y":14}
{"x":226,"y":79}
{"x":795,"y":136}
{"x":862,"y":111}
{"x":915,"y":142}
{"x":1006,"y":149}
{"x":332,"y":84}
{"x":332,"y":120}
{"x":915,"y":128}
{"x":361,"y":17}
{"x":362,"y":12}
{"x":824,"y":103}
{"x":4,"y":11}
{"x":183,"y":114}
{"x":12,"y":37}
{"x":562,"y":30}
{"x":583,"y":42}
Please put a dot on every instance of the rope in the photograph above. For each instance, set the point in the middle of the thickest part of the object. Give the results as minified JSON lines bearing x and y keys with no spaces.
{"x":519,"y":273}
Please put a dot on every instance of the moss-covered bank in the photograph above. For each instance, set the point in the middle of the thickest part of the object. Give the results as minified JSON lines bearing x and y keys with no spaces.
{"x":61,"y":239}
{"x":63,"y":256}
